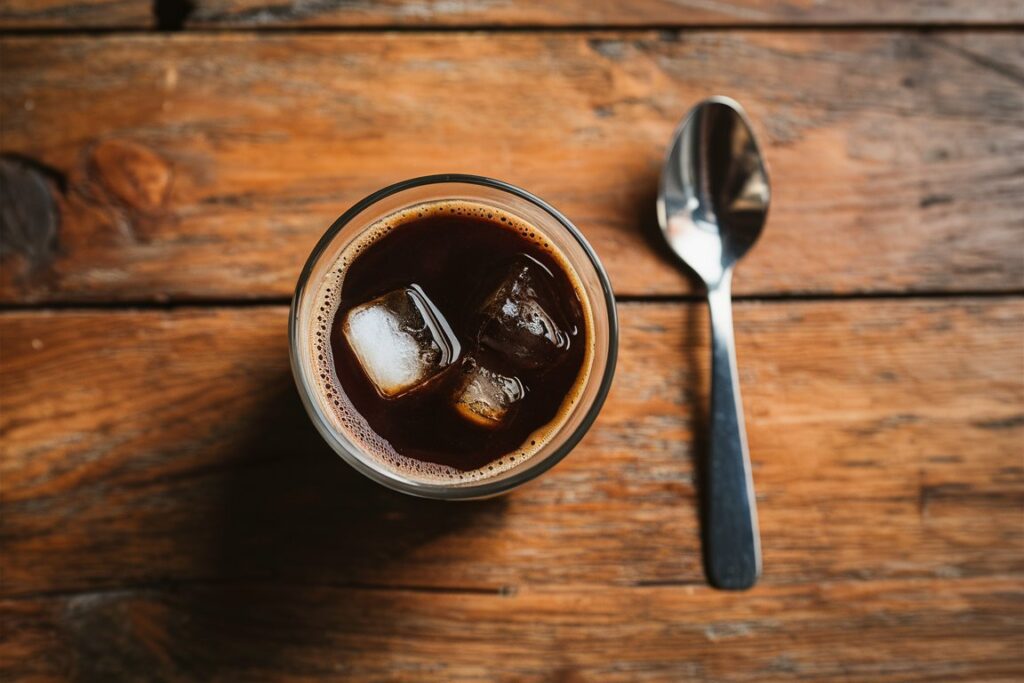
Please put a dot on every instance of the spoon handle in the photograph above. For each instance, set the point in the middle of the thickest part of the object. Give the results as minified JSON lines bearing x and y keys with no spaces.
{"x":732,"y":548}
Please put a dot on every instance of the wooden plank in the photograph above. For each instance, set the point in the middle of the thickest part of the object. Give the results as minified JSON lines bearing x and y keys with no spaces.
{"x":207,"y":166}
{"x":959,"y":630}
{"x":76,"y":14}
{"x":261,"y":13}
{"x":144,"y":447}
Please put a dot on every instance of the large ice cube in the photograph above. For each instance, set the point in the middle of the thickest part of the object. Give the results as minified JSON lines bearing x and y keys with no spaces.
{"x":486,"y":397}
{"x":521,"y":318}
{"x":401,"y":340}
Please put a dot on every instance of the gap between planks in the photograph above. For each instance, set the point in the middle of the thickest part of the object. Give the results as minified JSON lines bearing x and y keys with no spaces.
{"x":859,"y":27}
{"x":274,"y":301}
{"x":498,"y":591}
{"x":157,"y":586}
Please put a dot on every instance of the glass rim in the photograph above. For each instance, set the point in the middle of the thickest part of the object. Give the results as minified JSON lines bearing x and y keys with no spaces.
{"x":485,"y":488}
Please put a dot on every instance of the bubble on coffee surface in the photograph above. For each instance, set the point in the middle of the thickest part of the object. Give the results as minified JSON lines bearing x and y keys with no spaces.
{"x":353,"y":426}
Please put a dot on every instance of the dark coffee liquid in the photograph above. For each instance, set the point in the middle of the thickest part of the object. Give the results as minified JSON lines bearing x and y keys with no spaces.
{"x":460,"y":257}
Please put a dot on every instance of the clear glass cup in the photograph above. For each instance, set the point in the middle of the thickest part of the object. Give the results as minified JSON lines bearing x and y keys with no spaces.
{"x":518,"y":202}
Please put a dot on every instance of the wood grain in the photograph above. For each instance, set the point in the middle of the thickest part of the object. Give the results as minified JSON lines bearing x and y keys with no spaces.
{"x":199,"y":167}
{"x":261,"y":13}
{"x":75,"y":14}
{"x":387,"y":13}
{"x":144,"y":447}
{"x":899,"y":630}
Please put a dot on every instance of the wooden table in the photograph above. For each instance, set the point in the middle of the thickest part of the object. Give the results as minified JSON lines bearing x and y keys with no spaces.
{"x":168,"y":512}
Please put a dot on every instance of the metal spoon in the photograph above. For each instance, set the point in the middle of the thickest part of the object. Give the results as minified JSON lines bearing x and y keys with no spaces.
{"x":712,"y":205}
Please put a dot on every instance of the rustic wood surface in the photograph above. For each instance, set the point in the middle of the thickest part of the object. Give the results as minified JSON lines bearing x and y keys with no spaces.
{"x":207,"y":166}
{"x":149,"y":451}
{"x":29,"y":14}
{"x":843,"y":631}
{"x":260,"y":13}
{"x":72,"y":14}
{"x":167,"y":511}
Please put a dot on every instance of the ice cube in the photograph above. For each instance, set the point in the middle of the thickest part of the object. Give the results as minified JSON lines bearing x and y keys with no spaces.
{"x":401,"y":340}
{"x":486,"y":397}
{"x":521,"y":317}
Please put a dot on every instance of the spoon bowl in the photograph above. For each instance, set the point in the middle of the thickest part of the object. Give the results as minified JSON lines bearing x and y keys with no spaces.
{"x":714,"y":193}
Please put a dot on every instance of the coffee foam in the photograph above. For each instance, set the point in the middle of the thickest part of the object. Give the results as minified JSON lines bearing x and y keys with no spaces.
{"x":354,"y":426}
